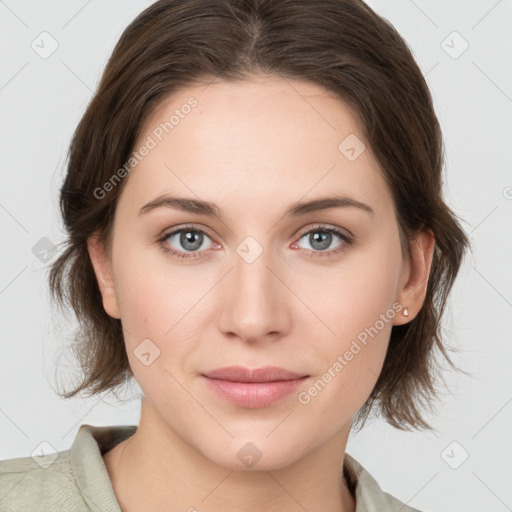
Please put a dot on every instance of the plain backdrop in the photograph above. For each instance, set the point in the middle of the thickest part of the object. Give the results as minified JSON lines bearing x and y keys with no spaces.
{"x":464,"y":49}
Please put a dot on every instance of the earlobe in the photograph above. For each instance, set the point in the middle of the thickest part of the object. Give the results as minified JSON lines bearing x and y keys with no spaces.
{"x":412,"y":293}
{"x":103,"y":271}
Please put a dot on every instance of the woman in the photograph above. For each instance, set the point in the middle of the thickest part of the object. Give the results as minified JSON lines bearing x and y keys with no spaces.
{"x":257,"y":235}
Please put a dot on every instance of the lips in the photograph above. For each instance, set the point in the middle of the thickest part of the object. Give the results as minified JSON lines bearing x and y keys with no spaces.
{"x":256,"y":388}
{"x":241,"y":374}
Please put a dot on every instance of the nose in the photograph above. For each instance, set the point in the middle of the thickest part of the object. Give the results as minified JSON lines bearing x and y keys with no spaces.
{"x":255,"y":302}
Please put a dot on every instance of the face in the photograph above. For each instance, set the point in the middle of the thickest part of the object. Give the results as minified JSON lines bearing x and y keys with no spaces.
{"x":312,"y":290}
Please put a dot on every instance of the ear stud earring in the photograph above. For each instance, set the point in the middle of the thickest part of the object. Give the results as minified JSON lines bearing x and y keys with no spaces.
{"x":406,"y":312}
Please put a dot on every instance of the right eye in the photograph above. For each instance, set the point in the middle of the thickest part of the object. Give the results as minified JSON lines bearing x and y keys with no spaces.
{"x":185,"y":242}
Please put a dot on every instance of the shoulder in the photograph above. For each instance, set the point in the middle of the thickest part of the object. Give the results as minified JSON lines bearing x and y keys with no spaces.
{"x":74,"y":479}
{"x":47,"y":481}
{"x":369,"y":496}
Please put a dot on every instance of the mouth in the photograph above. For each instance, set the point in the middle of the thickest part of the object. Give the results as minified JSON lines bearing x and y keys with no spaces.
{"x":256,"y":388}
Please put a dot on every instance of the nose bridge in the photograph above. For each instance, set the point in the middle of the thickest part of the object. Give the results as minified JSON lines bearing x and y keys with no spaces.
{"x":253,"y":276}
{"x":253,"y":304}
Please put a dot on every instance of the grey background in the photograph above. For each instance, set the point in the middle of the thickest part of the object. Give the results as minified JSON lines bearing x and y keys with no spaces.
{"x":42,"y":100}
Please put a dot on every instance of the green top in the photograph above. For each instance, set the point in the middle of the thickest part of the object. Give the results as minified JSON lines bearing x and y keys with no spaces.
{"x":76,"y":480}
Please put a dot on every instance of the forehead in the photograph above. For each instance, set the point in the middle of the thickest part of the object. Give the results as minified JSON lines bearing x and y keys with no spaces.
{"x":252,"y":140}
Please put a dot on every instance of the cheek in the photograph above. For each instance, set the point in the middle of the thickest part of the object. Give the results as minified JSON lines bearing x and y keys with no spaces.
{"x":352,"y":296}
{"x":153,"y":293}
{"x":352,"y":361}
{"x":161,"y":302}
{"x":355,"y":306}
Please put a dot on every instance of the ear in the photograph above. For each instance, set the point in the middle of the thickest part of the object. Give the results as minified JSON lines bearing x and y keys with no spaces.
{"x":414,"y":280}
{"x":103,"y":270}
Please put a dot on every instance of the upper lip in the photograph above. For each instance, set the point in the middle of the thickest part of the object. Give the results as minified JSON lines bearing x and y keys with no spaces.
{"x":241,"y":374}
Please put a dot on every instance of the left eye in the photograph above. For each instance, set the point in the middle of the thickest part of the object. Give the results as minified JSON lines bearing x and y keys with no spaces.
{"x":320,"y":239}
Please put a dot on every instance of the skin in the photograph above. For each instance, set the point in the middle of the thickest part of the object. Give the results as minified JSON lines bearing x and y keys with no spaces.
{"x":252,"y":147}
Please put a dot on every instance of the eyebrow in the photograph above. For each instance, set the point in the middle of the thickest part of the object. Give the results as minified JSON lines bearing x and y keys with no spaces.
{"x":295,"y":209}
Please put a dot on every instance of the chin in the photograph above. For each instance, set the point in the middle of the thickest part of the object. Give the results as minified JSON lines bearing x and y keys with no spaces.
{"x":256,"y":453}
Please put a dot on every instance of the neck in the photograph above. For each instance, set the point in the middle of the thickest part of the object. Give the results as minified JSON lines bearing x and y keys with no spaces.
{"x":155,"y":469}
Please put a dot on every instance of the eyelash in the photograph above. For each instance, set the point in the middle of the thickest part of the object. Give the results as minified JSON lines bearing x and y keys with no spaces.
{"x":347,"y":241}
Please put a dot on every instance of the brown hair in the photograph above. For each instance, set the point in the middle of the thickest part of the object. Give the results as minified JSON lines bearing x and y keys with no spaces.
{"x":341,"y":45}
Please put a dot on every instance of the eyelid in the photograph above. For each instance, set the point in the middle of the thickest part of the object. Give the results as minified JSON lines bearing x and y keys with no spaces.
{"x":327,"y":227}
{"x":182,"y":227}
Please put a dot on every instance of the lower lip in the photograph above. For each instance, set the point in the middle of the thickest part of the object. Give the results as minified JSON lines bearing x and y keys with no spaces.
{"x":254,"y":394}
